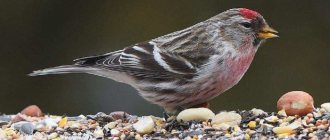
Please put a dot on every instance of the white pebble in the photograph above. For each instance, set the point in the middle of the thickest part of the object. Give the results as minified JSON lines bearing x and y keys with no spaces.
{"x":202,"y":114}
{"x":145,"y":125}
{"x":221,"y":126}
{"x":282,"y":113}
{"x":2,"y":134}
{"x":98,"y":133}
{"x":288,"y":119}
{"x":50,"y":122}
{"x":111,"y":125}
{"x":258,"y":112}
{"x":229,"y":118}
{"x":272,"y":119}
{"x":27,"y":137}
{"x":115,"y":132}
{"x":39,"y":136}
{"x":52,"y":136}
{"x":326,"y":106}
{"x":138,"y":137}
{"x":295,"y":124}
{"x":122,"y":136}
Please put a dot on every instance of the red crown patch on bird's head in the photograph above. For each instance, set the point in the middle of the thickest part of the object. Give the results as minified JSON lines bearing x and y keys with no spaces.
{"x":247,"y":13}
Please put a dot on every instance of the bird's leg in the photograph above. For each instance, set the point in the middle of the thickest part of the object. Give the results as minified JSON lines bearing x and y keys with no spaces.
{"x":169,"y":115}
{"x":170,"y":118}
{"x":166,"y":116}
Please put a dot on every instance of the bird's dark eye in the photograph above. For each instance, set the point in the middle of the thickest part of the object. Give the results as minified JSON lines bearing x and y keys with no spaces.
{"x":246,"y":24}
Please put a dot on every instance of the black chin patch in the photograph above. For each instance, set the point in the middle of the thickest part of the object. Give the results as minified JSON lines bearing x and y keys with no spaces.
{"x":256,"y":42}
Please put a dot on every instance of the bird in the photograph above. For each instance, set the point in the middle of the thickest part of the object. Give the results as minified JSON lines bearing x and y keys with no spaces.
{"x":186,"y":68}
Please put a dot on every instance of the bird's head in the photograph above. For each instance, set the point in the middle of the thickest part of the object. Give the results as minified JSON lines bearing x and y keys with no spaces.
{"x":244,"y":26}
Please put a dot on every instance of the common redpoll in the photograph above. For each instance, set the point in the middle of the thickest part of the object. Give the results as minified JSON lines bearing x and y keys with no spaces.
{"x":184,"y":68}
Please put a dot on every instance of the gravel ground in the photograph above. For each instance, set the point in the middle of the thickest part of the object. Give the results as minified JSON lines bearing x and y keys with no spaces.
{"x":240,"y":124}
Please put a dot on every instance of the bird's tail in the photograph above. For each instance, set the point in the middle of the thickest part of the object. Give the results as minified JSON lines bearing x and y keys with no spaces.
{"x":63,"y":70}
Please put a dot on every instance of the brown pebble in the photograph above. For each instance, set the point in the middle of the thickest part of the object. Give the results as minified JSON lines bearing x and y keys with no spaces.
{"x":318,"y":122}
{"x":310,"y":115}
{"x":324,"y":121}
{"x":296,"y":103}
{"x":321,"y":127}
{"x":32,"y":111}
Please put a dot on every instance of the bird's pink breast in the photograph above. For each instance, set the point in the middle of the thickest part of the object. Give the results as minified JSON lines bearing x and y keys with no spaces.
{"x":233,"y":70}
{"x":236,"y":68}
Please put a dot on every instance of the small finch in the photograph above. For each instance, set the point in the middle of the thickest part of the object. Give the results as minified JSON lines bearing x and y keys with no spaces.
{"x":184,"y":68}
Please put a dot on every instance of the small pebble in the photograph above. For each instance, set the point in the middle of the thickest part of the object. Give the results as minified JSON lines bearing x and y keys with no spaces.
{"x":251,"y":132}
{"x":221,"y":126}
{"x":2,"y":134}
{"x":310,"y":115}
{"x":145,"y":125}
{"x":322,"y":110}
{"x":9,"y":132}
{"x":74,"y":125}
{"x":3,"y":123}
{"x":115,"y":132}
{"x":138,"y":137}
{"x":282,"y":113}
{"x":247,"y":137}
{"x":295,"y":125}
{"x":5,"y":118}
{"x":272,"y":119}
{"x":50,"y":122}
{"x":132,"y":134}
{"x":283,"y":135}
{"x":98,"y":133}
{"x":27,"y":128}
{"x":229,"y":118}
{"x":76,"y":118}
{"x":252,"y":124}
{"x":122,"y":136}
{"x":227,"y":135}
{"x":326,"y":107}
{"x":288,"y":119}
{"x":325,"y":121}
{"x":317,"y":114}
{"x":258,"y":112}
{"x":321,"y":127}
{"x":52,"y":136}
{"x":63,"y":122}
{"x":111,"y":125}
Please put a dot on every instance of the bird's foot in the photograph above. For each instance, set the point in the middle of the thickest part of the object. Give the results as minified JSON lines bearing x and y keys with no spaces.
{"x":172,"y":123}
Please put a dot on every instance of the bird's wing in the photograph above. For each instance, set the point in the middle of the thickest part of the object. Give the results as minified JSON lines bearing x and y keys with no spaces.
{"x":143,"y":61}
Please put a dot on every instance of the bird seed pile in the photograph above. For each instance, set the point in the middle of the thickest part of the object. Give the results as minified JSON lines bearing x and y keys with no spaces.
{"x":195,"y":123}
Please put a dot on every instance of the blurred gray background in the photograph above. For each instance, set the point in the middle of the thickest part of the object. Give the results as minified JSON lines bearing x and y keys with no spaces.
{"x":36,"y":34}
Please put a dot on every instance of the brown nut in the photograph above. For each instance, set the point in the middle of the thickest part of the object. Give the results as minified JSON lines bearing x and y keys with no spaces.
{"x":33,"y":111}
{"x":296,"y":103}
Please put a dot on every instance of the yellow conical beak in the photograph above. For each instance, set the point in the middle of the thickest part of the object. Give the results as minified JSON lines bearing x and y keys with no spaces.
{"x":267,"y":32}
